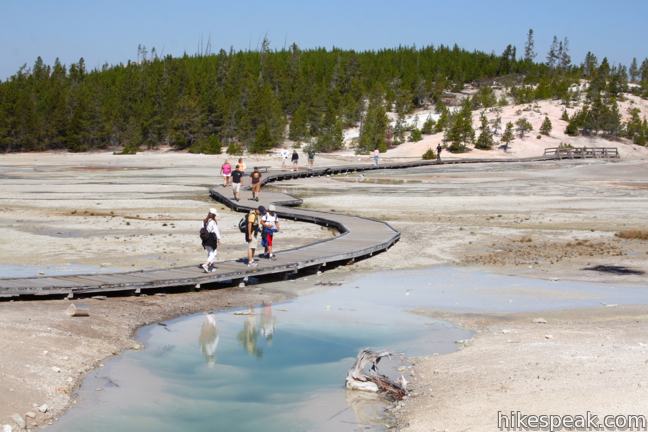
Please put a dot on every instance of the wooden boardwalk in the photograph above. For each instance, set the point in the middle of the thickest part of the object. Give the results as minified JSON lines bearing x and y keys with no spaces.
{"x":358,"y":238}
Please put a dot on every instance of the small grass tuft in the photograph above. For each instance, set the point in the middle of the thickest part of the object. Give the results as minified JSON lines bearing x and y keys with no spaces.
{"x":633,"y":234}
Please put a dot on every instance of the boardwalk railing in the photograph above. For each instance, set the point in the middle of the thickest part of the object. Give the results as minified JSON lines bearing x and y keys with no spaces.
{"x":582,"y":152}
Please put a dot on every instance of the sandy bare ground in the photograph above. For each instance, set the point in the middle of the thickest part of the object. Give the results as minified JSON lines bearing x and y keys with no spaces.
{"x":118,"y":212}
{"x":545,"y":220}
{"x":579,"y":361}
{"x":548,"y":220}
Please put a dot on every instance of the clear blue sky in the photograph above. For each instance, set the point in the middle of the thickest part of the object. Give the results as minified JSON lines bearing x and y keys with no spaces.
{"x":109,"y":31}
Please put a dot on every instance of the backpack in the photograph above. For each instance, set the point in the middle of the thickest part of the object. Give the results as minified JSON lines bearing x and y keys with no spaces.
{"x":242,"y":225}
{"x":204,"y":234}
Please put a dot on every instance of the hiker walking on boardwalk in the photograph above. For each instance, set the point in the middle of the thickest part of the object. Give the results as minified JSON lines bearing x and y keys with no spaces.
{"x":311,"y":156}
{"x":226,"y":172}
{"x":270,"y":225}
{"x":256,"y":183}
{"x":253,"y":228}
{"x":242,"y":165}
{"x":210,"y":236}
{"x":295,"y":160}
{"x":439,"y":148}
{"x":284,"y":157}
{"x":376,"y":157}
{"x":237,"y":174}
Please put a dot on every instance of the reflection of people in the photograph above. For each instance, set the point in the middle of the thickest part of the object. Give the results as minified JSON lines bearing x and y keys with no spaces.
{"x":249,"y":336}
{"x":208,"y":338}
{"x":267,"y":322}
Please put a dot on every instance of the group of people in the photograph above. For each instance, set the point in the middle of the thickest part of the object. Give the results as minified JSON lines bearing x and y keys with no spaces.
{"x":234,"y":177}
{"x":294,"y":158}
{"x":260,"y":226}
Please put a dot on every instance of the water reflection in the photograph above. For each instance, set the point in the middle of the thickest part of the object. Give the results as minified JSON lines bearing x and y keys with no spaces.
{"x":209,"y":338}
{"x":268,"y":323}
{"x":258,"y":330}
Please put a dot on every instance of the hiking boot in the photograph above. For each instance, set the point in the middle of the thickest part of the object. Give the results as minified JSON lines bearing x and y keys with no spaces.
{"x":252,"y":264}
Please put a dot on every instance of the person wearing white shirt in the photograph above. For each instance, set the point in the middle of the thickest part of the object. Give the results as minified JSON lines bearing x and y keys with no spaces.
{"x":212,"y":240}
{"x":270,"y":224}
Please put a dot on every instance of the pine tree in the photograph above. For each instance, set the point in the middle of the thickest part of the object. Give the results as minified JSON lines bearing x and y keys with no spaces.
{"x":460,"y":132}
{"x":545,"y":128}
{"x":529,"y":47}
{"x":374,"y":127}
{"x":485,"y":139}
{"x":564,"y":116}
{"x":634,"y":70}
{"x":428,"y":126}
{"x":186,"y":124}
{"x":415,"y":135}
{"x":611,"y":119}
{"x":523,"y":126}
{"x":262,"y":140}
{"x":553,"y":54}
{"x":497,"y":124}
{"x":442,"y":122}
{"x":507,"y":136}
{"x":298,"y":124}
{"x":564,"y":57}
{"x":590,"y":65}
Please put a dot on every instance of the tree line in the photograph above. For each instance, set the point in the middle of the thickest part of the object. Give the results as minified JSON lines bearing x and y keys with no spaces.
{"x":255,"y":99}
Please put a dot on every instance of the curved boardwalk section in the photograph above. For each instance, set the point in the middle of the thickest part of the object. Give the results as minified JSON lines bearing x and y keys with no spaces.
{"x":358,"y":238}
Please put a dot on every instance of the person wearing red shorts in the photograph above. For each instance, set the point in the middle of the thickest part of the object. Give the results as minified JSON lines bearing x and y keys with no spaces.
{"x":270,"y":222}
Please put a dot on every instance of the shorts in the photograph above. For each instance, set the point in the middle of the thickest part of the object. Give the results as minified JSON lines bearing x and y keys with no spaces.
{"x":267,"y":240}
{"x":227,"y":175}
{"x":236,"y":187}
{"x":253,"y":243}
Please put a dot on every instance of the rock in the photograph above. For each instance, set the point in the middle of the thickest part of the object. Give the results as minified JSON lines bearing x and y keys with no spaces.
{"x":43,"y":408}
{"x":20,"y":422}
{"x":30,"y":414}
{"x":56,"y":369}
{"x":540,"y":321}
{"x":7,"y":428}
{"x":100,"y":297}
{"x":506,"y":331}
{"x":548,"y":336}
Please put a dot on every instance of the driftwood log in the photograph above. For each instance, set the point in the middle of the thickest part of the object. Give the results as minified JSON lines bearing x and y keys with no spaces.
{"x":78,"y":310}
{"x":364,"y":376}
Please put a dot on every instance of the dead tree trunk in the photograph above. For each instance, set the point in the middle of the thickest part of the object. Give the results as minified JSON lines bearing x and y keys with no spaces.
{"x":364,"y":376}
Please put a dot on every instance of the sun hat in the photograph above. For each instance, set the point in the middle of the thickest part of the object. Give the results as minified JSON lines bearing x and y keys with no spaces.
{"x":213,"y":211}
{"x":271,"y":207}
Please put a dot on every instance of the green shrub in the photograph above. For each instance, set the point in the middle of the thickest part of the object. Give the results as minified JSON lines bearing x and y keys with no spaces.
{"x":415,"y":135}
{"x":209,"y":145}
{"x":429,"y":155}
{"x":235,"y":148}
{"x":128,"y":149}
{"x":428,"y":127}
